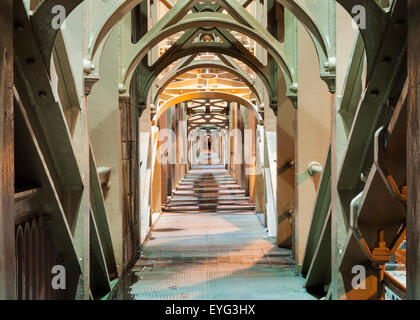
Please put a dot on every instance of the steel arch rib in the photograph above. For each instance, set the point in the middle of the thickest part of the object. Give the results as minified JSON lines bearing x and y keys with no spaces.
{"x":43,"y":26}
{"x":376,"y":17}
{"x":206,"y":95}
{"x":208,"y":19}
{"x":41,"y":22}
{"x":206,"y":64}
{"x":308,"y":21}
{"x":116,"y":14}
{"x":195,"y":50}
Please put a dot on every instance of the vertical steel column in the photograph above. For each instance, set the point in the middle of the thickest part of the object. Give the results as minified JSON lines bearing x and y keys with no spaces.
{"x":220,"y":147}
{"x":126,"y":165}
{"x":413,"y":152}
{"x":7,"y":179}
{"x":334,"y":200}
{"x":165,"y":177}
{"x":82,"y":230}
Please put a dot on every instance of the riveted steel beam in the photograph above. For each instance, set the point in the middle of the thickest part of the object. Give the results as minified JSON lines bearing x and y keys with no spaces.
{"x":319,"y":216}
{"x":385,"y":76}
{"x":272,"y":27}
{"x":386,"y":176}
{"x":229,"y":46}
{"x":99,"y":279}
{"x":362,"y":158}
{"x":319,"y":272}
{"x":246,"y":18}
{"x":100,"y":221}
{"x":33,"y":81}
{"x":203,"y":20}
{"x":51,"y":204}
{"x":43,"y":27}
{"x":289,"y":49}
{"x":184,"y":47}
{"x":318,"y":17}
{"x":312,"y":16}
{"x":376,"y":22}
{"x":353,"y":85}
{"x":52,"y":139}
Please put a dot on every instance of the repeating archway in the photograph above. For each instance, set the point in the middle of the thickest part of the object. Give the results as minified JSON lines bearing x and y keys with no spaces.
{"x":43,"y":13}
{"x":208,"y":19}
{"x":207,"y":95}
{"x":207,"y":64}
{"x":310,"y":24}
{"x":212,"y":48}
{"x":185,"y":49}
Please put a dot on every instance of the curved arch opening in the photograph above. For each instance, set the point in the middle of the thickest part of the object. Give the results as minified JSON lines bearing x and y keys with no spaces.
{"x":207,"y":95}
{"x":191,"y":22}
{"x":205,"y":76}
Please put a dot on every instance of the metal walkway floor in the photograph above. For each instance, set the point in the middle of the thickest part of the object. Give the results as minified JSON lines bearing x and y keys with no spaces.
{"x":211,"y":254}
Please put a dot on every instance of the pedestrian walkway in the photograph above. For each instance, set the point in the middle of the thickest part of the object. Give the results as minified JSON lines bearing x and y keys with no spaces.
{"x":210,"y":244}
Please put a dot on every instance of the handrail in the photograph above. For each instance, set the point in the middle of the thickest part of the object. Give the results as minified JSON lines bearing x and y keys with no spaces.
{"x":395,"y":285}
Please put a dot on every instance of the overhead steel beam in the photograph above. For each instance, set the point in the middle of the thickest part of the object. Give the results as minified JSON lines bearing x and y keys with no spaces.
{"x":186,"y":48}
{"x":202,"y":20}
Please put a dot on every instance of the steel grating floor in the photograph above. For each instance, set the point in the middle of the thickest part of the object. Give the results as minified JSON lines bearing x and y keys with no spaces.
{"x":212,"y":257}
{"x":201,"y":248}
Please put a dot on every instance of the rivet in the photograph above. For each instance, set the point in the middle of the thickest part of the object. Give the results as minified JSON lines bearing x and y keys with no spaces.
{"x":30,"y":61}
{"x":387,"y":59}
{"x":374,"y":93}
{"x":18,"y":26}
{"x":42,"y":94}
{"x":399,"y":23}
{"x":290,"y":163}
